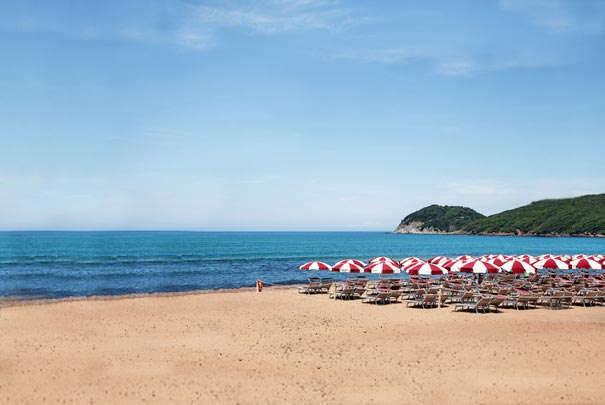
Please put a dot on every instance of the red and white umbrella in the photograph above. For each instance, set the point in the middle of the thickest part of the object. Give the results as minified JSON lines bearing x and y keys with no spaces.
{"x":347,"y":266}
{"x":465,"y":258}
{"x":478,"y":267}
{"x":585,"y":264}
{"x":496,"y":261}
{"x":518,"y":267}
{"x":410,"y":261}
{"x":438,"y":259}
{"x":527,"y":258}
{"x":384,"y":259}
{"x":315,"y":266}
{"x":446,"y":264}
{"x":382,"y":268}
{"x":551,"y":263}
{"x":426,"y":269}
{"x":455,"y":265}
{"x":354,"y":261}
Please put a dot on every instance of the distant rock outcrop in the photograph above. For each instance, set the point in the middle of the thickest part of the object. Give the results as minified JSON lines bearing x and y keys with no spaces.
{"x":437,"y":219}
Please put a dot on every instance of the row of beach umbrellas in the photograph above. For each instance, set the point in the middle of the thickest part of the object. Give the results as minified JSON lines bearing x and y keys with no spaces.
{"x":439,"y":265}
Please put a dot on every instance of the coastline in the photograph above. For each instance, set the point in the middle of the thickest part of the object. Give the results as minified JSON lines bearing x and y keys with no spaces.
{"x":238,"y":345}
{"x":523,"y":235}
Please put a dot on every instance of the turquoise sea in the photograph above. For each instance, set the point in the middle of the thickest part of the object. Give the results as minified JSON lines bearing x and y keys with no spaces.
{"x":64,"y":264}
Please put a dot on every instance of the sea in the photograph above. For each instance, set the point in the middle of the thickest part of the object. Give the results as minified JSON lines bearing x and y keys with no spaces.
{"x":35,"y":265}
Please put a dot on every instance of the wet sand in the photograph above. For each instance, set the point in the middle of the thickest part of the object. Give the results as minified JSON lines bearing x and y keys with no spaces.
{"x":280,"y":346}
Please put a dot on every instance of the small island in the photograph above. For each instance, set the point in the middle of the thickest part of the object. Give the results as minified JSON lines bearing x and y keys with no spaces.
{"x":579,"y":216}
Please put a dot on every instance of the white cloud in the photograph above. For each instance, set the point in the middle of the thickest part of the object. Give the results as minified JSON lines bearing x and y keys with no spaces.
{"x":385,"y":55}
{"x":273,"y":17}
{"x":560,"y":15}
{"x":457,"y":68}
{"x":194,"y":40}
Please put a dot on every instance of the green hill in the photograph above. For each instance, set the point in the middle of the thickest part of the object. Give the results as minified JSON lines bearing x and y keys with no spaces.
{"x":580,"y":216}
{"x":438,"y":219}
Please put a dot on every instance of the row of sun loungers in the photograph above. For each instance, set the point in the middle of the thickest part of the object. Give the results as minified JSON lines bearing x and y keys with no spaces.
{"x":492,"y":294}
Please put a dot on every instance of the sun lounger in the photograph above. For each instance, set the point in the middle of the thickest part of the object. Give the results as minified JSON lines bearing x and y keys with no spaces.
{"x":347,"y":293}
{"x":394,"y":296}
{"x":524,"y":301}
{"x":481,"y":305}
{"x":429,"y":300}
{"x":555,"y":300}
{"x":382,"y":297}
{"x":312,"y":288}
{"x":464,"y":296}
{"x":495,"y":302}
{"x":585,"y":298}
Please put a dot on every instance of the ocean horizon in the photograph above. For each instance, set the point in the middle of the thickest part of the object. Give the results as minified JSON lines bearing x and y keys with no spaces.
{"x":59,"y":264}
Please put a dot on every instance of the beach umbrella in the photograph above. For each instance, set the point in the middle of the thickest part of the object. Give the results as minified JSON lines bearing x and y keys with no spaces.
{"x":442,"y":261}
{"x":384,"y":259}
{"x":585,"y":264}
{"x":347,"y":266}
{"x":551,"y":263}
{"x":465,"y":258}
{"x":315,"y":266}
{"x":408,"y":261}
{"x":382,"y":268}
{"x":354,"y":261}
{"x":478,"y":267}
{"x":446,"y":264}
{"x":496,"y":262}
{"x":518,"y":267}
{"x":438,"y":259}
{"x":527,"y":258}
{"x":455,"y":265}
{"x":425,"y":269}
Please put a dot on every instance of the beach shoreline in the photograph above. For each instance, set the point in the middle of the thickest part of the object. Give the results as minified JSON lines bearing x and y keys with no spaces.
{"x":240,"y":346}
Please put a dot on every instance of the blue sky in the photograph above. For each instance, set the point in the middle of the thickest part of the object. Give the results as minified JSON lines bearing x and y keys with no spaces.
{"x":294,"y":114}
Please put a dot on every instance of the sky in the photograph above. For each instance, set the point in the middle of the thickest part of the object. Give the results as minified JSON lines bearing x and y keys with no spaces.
{"x":294,"y":114}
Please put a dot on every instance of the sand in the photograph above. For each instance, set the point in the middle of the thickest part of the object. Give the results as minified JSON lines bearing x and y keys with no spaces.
{"x":280,"y":346}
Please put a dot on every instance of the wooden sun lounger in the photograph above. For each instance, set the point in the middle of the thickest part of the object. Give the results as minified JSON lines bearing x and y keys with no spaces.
{"x":585,"y":298}
{"x":482,"y":304}
{"x":383,"y":297}
{"x":429,"y":300}
{"x":347,"y":293}
{"x":312,"y":288}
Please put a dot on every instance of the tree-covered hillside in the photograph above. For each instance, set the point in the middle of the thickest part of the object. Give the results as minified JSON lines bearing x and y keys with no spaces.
{"x":571,"y":216}
{"x":442,"y":218}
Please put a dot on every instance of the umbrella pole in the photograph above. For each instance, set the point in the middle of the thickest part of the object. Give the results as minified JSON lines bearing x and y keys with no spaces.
{"x":439,"y":295}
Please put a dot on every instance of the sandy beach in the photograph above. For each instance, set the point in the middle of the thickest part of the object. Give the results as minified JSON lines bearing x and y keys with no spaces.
{"x":280,"y":346}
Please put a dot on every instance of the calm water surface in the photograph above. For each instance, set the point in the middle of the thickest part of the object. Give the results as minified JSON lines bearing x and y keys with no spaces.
{"x":62,"y":264}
